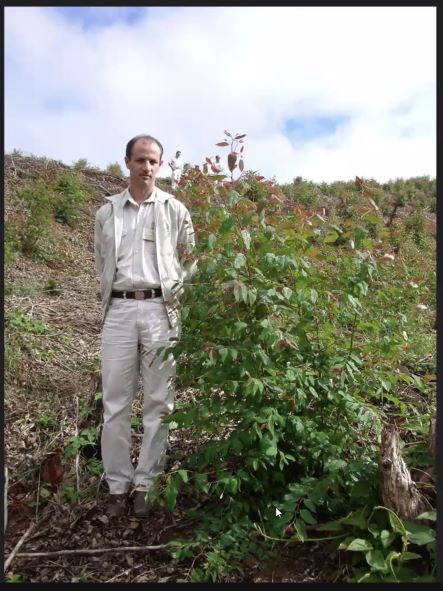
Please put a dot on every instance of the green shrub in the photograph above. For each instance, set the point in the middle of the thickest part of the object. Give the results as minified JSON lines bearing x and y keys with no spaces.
{"x":115,"y":169}
{"x":70,"y":196}
{"x":39,"y":199}
{"x":81,"y":164}
{"x":416,"y":225}
{"x":292,"y":333}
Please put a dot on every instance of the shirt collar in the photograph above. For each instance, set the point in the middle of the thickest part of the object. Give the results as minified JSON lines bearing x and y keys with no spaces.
{"x":127,"y":197}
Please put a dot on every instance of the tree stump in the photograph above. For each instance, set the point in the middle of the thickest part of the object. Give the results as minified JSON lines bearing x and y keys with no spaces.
{"x":399,"y":491}
{"x":432,"y":445}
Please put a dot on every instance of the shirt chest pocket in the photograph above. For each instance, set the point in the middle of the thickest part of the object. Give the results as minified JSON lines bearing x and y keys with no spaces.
{"x":149,"y":234}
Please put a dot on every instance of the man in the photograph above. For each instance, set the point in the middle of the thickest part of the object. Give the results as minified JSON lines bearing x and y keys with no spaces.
{"x":176,"y":166}
{"x":143,"y":240}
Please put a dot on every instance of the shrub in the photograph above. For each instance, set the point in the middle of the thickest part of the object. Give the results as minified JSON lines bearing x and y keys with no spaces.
{"x":35,"y":237}
{"x":81,"y":164}
{"x":115,"y":169}
{"x":70,"y":196}
{"x":291,"y":333}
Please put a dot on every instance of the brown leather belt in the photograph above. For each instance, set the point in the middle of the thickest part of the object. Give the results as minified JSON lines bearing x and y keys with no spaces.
{"x":138,"y":294}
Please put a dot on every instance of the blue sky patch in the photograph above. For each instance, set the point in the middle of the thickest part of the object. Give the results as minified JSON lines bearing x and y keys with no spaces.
{"x":57,"y":104}
{"x":311,"y":127}
{"x":95,"y":16}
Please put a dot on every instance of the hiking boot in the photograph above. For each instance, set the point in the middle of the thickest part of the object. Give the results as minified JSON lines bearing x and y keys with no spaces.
{"x":117,"y":505}
{"x":141,"y":506}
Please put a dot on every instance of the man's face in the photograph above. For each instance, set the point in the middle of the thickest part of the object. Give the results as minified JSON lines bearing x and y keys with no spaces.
{"x":144,"y":163}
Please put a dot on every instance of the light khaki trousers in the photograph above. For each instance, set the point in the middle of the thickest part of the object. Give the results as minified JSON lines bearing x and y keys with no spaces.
{"x":133,"y":332}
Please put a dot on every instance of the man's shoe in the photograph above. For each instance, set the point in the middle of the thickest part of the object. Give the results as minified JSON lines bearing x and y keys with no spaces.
{"x":141,"y":506}
{"x":117,"y":505}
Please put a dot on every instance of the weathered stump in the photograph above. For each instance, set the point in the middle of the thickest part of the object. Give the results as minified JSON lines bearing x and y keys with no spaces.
{"x":432,"y":443}
{"x":399,"y":491}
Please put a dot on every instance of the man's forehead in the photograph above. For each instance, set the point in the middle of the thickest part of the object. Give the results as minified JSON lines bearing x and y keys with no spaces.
{"x":145,"y":144}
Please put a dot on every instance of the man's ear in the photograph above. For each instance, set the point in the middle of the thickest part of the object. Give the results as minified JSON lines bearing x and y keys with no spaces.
{"x":161,"y":162}
{"x":127,"y":162}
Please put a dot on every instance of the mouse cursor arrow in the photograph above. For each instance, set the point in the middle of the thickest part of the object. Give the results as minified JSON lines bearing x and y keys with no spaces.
{"x":277,"y":513}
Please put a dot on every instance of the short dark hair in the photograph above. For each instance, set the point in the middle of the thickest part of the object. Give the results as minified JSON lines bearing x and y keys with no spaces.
{"x":131,"y":143}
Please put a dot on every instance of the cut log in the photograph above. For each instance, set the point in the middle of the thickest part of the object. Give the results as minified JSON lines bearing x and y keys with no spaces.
{"x":399,"y":491}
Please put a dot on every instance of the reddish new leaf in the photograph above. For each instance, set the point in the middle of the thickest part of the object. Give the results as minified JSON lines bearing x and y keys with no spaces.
{"x":208,"y":160}
{"x":239,"y":137}
{"x":223,"y":144}
{"x":241,"y":165}
{"x":241,"y":149}
{"x":227,"y":133}
{"x":232,"y":159}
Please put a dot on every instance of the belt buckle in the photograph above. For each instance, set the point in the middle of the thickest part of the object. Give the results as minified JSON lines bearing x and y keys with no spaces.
{"x":139,"y":294}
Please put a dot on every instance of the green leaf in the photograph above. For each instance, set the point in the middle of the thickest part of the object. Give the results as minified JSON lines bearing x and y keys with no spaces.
{"x":331,"y":237}
{"x":363,"y":287}
{"x":431,"y":515}
{"x":171,"y":495}
{"x":183,"y":475}
{"x":246,"y":238}
{"x":212,"y":239}
{"x":287,"y":292}
{"x":359,"y":545}
{"x":396,"y":523}
{"x":227,"y":225}
{"x":244,"y":292}
{"x":301,"y":530}
{"x":376,"y":560}
{"x":240,"y":260}
{"x":373,"y":529}
{"x":307,"y":502}
{"x":254,"y":385}
{"x":410,"y":556}
{"x":252,"y":295}
{"x":421,"y":537}
{"x":233,"y":353}
{"x":386,"y":537}
{"x":313,"y":392}
{"x":240,"y":326}
{"x":240,"y":291}
{"x":223,"y":352}
{"x":271,"y":450}
{"x":307,"y":516}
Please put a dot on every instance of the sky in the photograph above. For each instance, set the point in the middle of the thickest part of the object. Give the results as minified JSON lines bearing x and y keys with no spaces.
{"x":325,"y":93}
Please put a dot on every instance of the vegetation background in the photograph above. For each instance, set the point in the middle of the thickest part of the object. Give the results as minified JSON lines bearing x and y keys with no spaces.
{"x":308,"y":331}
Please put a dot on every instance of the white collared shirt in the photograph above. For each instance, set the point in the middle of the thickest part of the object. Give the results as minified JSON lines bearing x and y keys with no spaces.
{"x":137,"y":266}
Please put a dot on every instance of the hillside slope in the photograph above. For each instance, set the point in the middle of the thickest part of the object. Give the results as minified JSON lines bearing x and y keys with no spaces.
{"x":52,"y":372}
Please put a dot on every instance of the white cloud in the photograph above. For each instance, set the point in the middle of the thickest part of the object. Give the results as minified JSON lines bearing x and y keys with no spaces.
{"x":185,"y":74}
